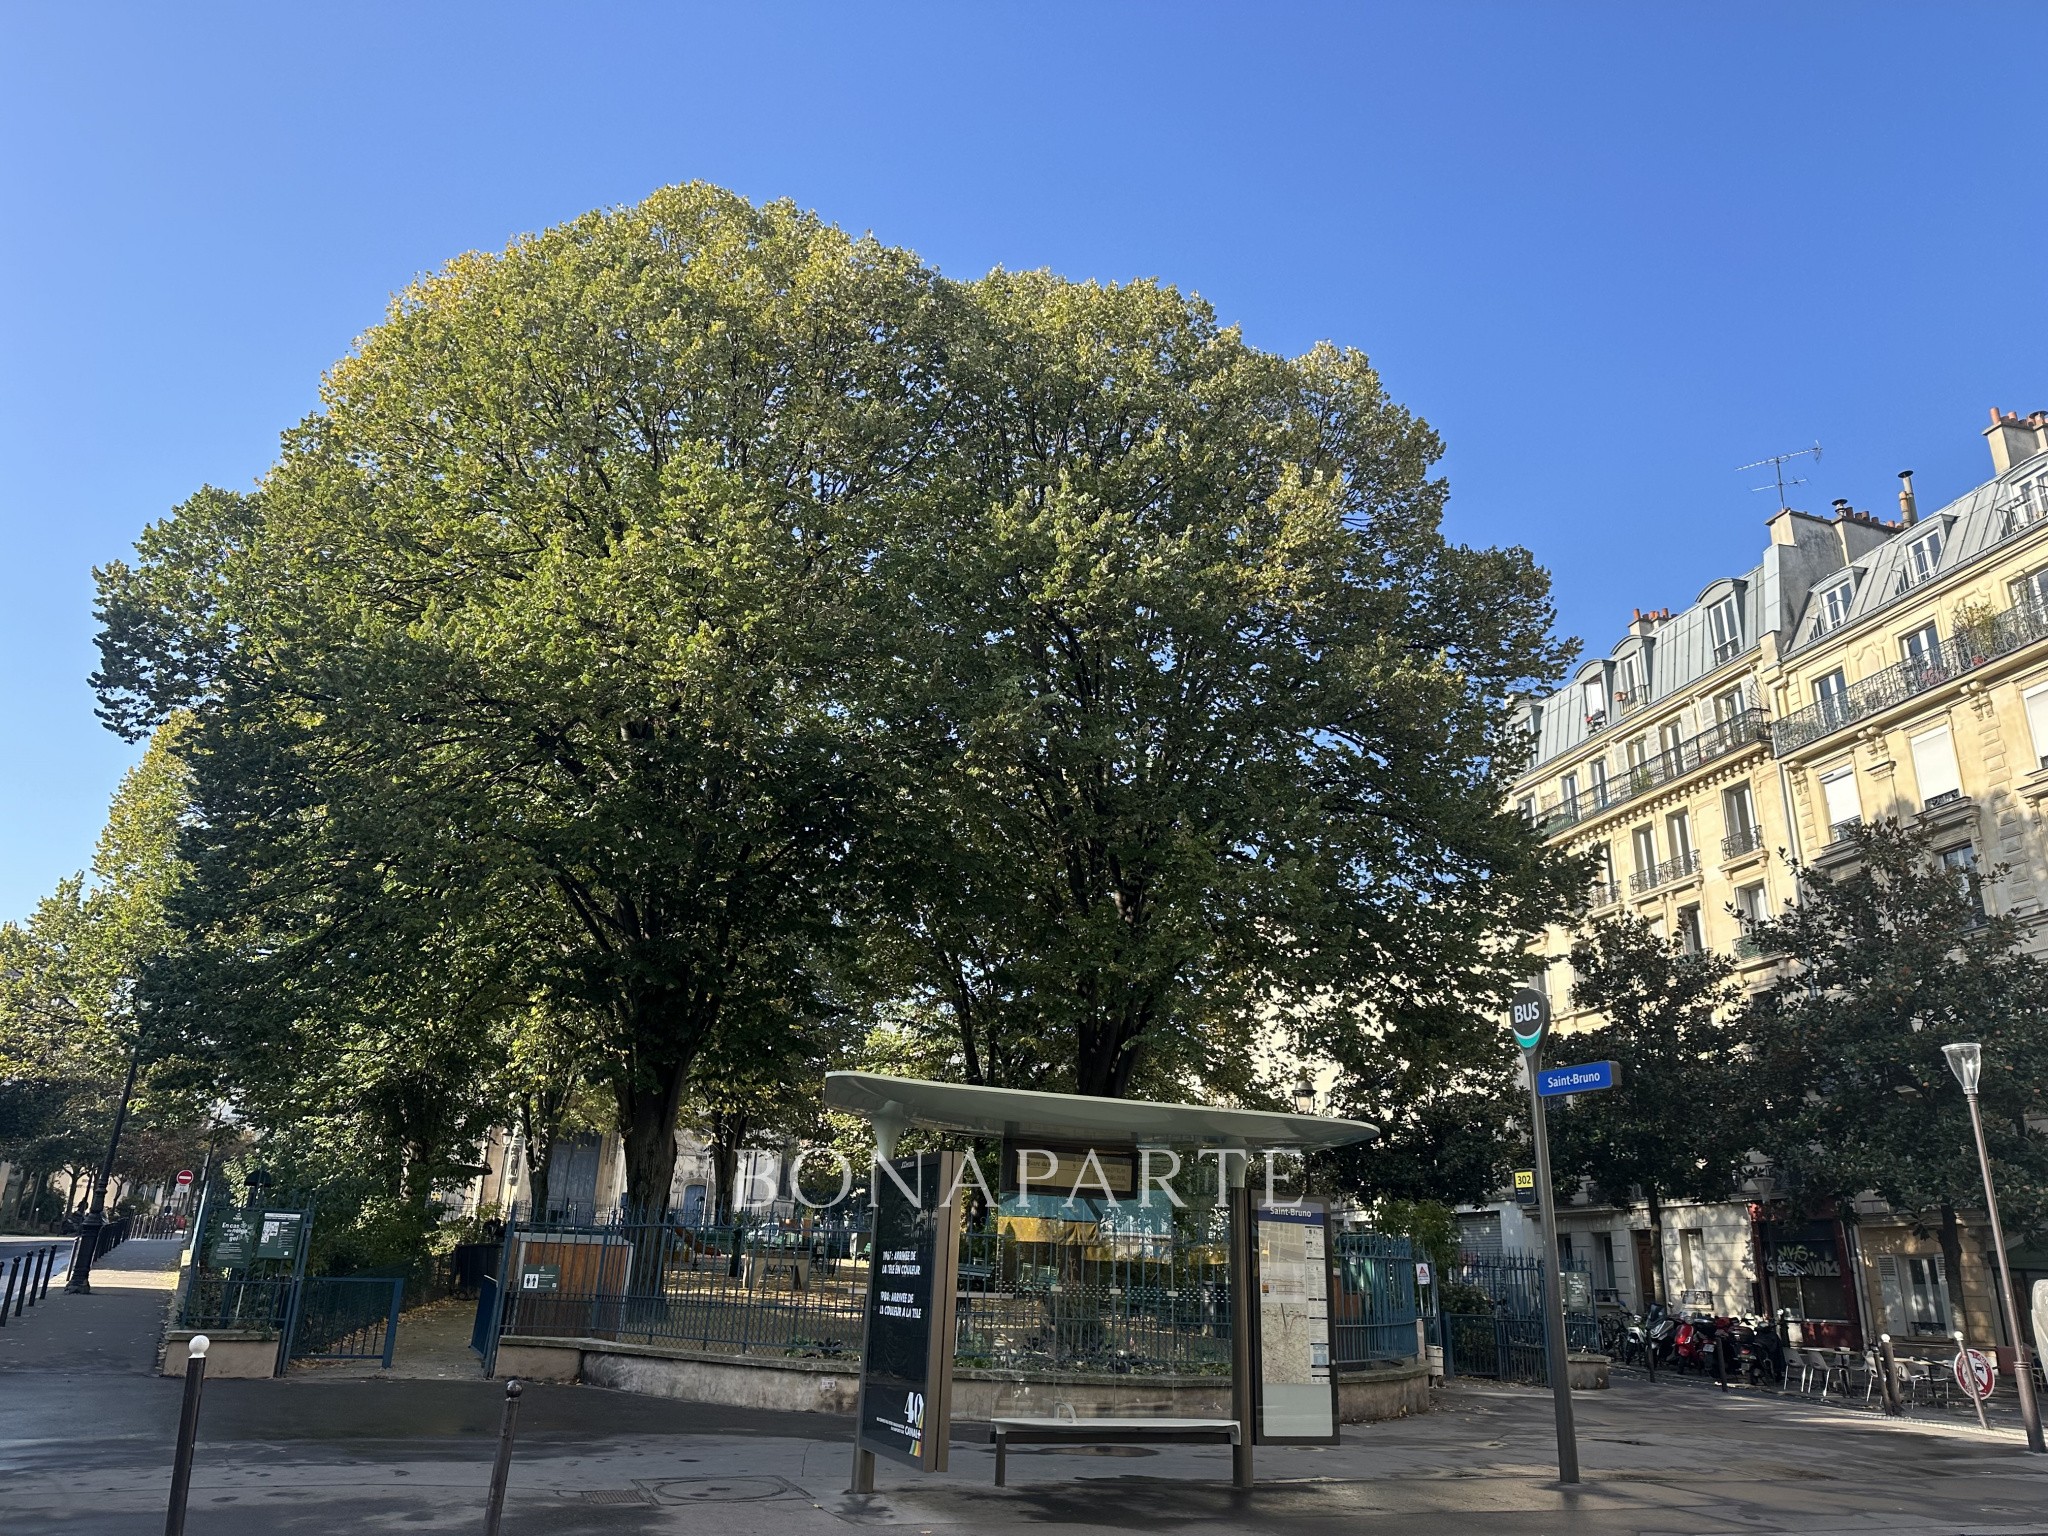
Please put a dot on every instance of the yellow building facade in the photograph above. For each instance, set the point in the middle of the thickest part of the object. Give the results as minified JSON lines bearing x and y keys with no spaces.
{"x":1865,"y":668}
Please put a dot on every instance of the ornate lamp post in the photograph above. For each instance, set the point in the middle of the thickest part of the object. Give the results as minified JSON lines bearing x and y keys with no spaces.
{"x":1304,"y":1094}
{"x":1966,"y":1060}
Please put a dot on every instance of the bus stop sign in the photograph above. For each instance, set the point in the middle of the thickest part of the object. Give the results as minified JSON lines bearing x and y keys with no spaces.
{"x":1528,"y":1017}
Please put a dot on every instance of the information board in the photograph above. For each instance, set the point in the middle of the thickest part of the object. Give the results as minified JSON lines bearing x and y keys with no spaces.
{"x":1296,"y":1398}
{"x":278,"y":1237}
{"x":906,"y":1365}
{"x":234,"y":1242}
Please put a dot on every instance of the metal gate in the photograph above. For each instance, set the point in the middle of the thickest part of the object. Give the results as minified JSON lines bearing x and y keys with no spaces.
{"x":348,"y":1318}
{"x":1492,"y":1320}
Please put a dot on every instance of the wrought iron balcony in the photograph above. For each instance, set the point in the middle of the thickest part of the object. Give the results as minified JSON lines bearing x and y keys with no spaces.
{"x":1958,"y":656}
{"x":1663,"y":874}
{"x":1742,"y":840}
{"x":1602,"y":893}
{"x":1742,"y":729}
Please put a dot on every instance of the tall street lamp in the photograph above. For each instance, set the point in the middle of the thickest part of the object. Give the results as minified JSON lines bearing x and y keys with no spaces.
{"x":1966,"y":1060}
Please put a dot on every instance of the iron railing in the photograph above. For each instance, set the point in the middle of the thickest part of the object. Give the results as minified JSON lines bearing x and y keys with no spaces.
{"x":1492,"y":1317}
{"x":1602,"y":893}
{"x":1977,"y":646}
{"x":1375,"y":1310}
{"x":1687,"y":863}
{"x":1035,"y":1295}
{"x":1742,"y":729}
{"x":1742,"y":840}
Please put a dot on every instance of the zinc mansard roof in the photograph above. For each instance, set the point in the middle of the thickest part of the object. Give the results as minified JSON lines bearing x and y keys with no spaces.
{"x":1971,"y":525}
{"x":1676,"y":655}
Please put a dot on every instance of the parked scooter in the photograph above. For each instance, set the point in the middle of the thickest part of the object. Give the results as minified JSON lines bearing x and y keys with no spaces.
{"x":1759,"y":1351}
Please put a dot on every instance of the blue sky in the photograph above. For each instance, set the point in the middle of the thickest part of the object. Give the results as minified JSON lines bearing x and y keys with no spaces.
{"x":1611,"y":251}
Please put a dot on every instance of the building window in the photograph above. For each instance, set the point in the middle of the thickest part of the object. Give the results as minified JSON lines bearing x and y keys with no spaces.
{"x":1568,"y":794}
{"x":1527,"y":806}
{"x":1738,"y":820}
{"x":1669,"y":735}
{"x":2036,"y":700}
{"x":1922,"y":556}
{"x":1725,"y":622}
{"x":1934,"y":767}
{"x":1843,"y":808}
{"x":1692,"y":1259}
{"x":1922,"y":648}
{"x":1596,"y":776}
{"x":1828,"y":691}
{"x":2031,"y":591}
{"x":1595,"y":694}
{"x":1916,"y":1299}
{"x":1678,"y":837}
{"x":1629,"y":677}
{"x":1603,"y":1265}
{"x":1645,"y":839}
{"x":1962,"y":863}
{"x":1750,"y":903}
{"x":1690,"y":939}
{"x":1834,"y":607}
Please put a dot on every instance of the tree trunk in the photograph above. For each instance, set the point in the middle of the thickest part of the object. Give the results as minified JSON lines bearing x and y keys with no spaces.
{"x":1952,"y":1262}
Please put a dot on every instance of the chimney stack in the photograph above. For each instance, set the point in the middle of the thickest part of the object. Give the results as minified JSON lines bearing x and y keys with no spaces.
{"x":1909,"y":509}
{"x":2014,"y":441}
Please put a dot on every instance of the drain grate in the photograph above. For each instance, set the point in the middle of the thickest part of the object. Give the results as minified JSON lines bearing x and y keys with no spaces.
{"x":614,"y":1496}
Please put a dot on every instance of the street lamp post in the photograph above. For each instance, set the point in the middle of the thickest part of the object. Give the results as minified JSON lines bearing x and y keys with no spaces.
{"x":79,"y":1281}
{"x":1966,"y":1060}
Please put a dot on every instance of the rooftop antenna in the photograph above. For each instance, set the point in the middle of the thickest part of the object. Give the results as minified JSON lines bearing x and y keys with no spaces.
{"x":1777,"y":461}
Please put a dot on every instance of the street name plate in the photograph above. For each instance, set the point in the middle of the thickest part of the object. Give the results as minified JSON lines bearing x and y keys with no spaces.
{"x":1553,"y":1082}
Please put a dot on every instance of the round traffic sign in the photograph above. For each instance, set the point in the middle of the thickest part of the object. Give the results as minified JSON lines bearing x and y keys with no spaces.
{"x":1528,"y":1017}
{"x":184,"y":1177}
{"x":1976,"y":1373}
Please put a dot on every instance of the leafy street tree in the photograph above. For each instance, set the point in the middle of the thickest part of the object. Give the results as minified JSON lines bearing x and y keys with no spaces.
{"x":542,"y":615}
{"x":701,"y":623}
{"x":1206,"y":711}
{"x":1890,"y":962}
{"x":1683,"y":1121}
{"x":74,"y":1051}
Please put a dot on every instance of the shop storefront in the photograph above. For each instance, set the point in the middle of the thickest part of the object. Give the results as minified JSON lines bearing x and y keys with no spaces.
{"x":1808,"y":1278}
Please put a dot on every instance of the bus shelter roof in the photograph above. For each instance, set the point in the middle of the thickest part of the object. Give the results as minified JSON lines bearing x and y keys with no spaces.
{"x":1017,"y":1113}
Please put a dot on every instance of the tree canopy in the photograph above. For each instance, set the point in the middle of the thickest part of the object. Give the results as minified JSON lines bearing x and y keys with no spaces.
{"x":1892,"y":960}
{"x":714,"y":627}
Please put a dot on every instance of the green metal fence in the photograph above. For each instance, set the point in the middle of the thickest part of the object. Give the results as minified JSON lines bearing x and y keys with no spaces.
{"x":1129,"y":1295}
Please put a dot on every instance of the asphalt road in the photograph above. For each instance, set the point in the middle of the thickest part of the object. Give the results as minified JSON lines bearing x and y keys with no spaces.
{"x":87,"y":1450}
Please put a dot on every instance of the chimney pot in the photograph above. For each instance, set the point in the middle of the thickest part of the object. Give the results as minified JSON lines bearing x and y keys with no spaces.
{"x":1909,"y":509}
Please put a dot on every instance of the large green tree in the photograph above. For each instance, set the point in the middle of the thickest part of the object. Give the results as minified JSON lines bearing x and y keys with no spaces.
{"x":1683,"y":1119}
{"x":705,"y":623}
{"x":1890,"y":961}
{"x":549,"y":600}
{"x":1206,"y":713}
{"x":76,"y":1049}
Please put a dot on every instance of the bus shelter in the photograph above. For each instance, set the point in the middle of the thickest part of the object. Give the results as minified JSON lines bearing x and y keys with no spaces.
{"x":1073,"y":1135}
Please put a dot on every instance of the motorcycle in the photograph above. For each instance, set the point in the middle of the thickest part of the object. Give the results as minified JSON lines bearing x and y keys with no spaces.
{"x":1759,"y":1350}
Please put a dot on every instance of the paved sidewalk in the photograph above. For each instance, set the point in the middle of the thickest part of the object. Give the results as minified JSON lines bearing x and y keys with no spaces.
{"x":311,"y":1455}
{"x":115,"y":1329}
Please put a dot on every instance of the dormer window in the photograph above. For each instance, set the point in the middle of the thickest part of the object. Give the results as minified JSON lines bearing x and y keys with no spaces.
{"x":1724,"y":622}
{"x":1834,"y":607}
{"x":1923,"y":555}
{"x":1596,"y":704}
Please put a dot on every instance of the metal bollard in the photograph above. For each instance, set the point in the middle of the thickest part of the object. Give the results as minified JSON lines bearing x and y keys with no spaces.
{"x":494,"y":1513}
{"x":188,"y":1432}
{"x":28,"y":1282}
{"x":50,"y":1267}
{"x":1893,"y":1408}
{"x":36,"y":1275}
{"x":7,"y":1295}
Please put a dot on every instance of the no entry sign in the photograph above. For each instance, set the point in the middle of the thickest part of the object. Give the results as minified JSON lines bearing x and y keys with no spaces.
{"x":184,"y":1177}
{"x":1976,"y":1373}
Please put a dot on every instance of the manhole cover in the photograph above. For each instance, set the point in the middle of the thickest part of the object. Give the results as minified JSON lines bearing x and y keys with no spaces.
{"x":718,"y":1490}
{"x":614,"y":1496}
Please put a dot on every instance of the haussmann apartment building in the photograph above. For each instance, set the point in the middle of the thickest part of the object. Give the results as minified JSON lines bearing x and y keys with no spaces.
{"x":1863,"y":668}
